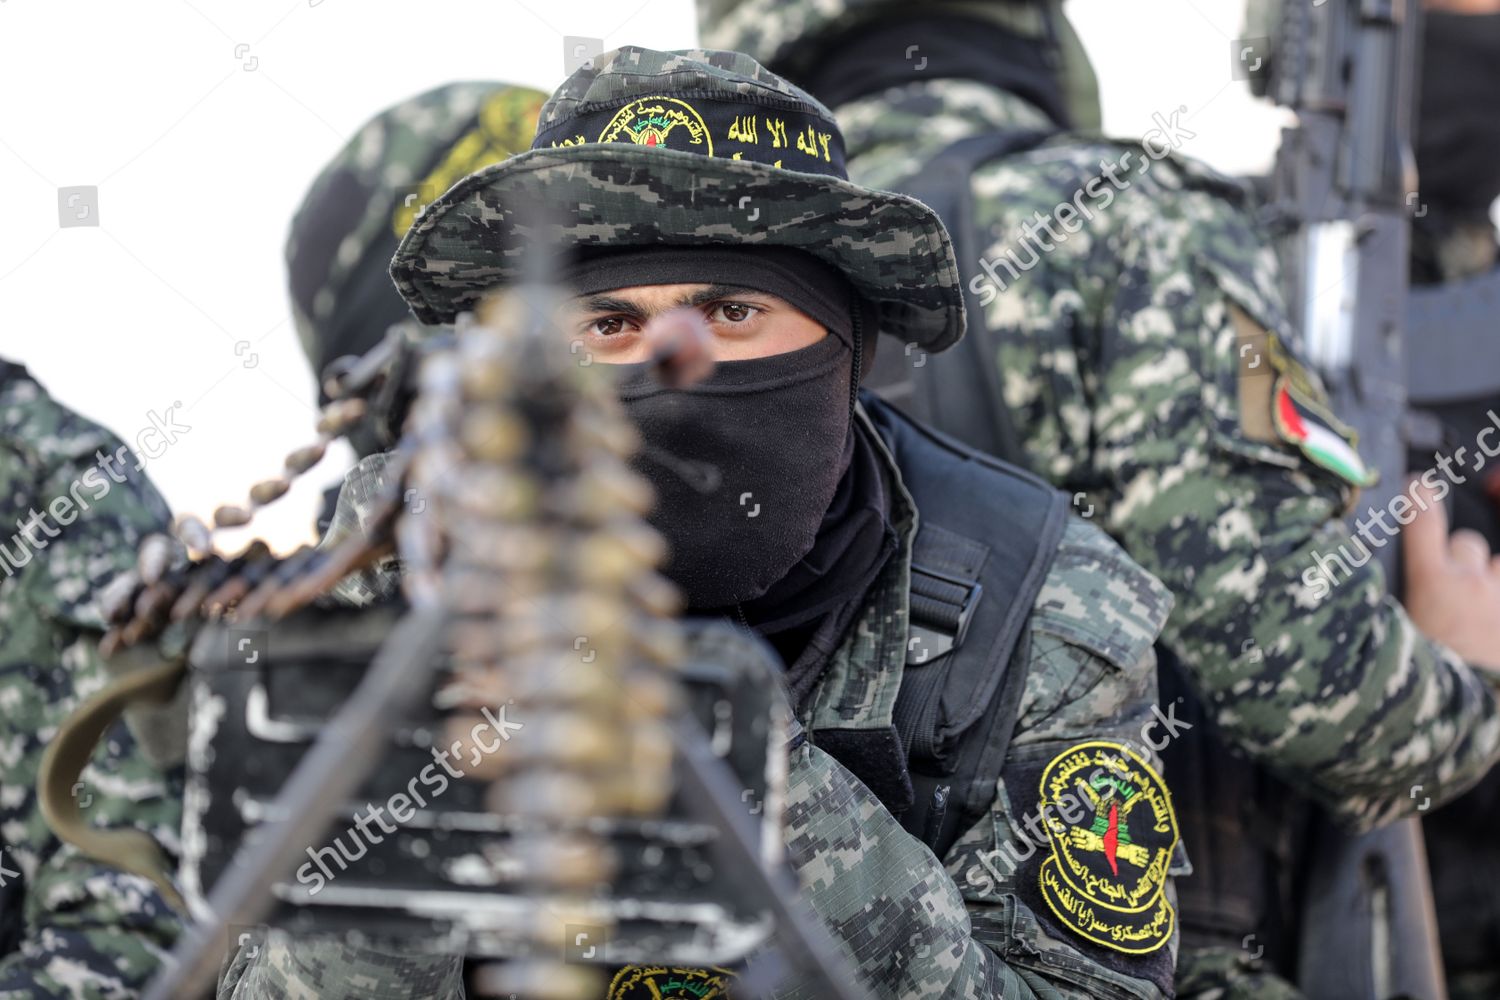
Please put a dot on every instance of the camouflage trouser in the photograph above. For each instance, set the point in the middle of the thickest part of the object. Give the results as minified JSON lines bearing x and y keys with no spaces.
{"x":1225,"y":974}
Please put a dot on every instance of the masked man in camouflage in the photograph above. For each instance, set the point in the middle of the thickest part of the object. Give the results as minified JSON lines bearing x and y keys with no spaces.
{"x":1130,"y":346}
{"x":70,"y":927}
{"x":925,"y":600}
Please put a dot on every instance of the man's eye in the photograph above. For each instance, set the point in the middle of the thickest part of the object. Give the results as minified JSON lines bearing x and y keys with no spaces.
{"x":733,"y":312}
{"x":607,"y":327}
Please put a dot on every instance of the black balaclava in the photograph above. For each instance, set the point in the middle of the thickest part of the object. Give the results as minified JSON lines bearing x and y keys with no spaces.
{"x":1458,"y":124}
{"x":1458,"y":147}
{"x":772,"y":503}
{"x":954,"y":44}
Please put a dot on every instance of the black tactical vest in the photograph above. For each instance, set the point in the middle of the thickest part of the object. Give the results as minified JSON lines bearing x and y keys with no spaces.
{"x":977,"y":567}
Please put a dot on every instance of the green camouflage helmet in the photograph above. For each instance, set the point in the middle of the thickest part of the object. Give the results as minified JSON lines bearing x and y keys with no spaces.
{"x":691,"y":148}
{"x":772,"y":31}
{"x":363,"y":202}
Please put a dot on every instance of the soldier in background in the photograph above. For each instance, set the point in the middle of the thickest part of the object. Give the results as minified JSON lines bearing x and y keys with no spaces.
{"x":69,"y":926}
{"x":1134,"y":338}
{"x":364,"y":200}
{"x":1453,"y":240}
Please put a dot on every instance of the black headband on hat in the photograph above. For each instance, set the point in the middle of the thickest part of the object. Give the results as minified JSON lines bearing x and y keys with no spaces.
{"x":803,"y":280}
{"x":757,"y":126}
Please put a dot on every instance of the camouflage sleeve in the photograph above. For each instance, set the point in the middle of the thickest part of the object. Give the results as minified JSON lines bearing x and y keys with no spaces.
{"x":71,"y":927}
{"x":980,"y":926}
{"x":278,"y":966}
{"x":898,"y":917}
{"x":1143,"y":361}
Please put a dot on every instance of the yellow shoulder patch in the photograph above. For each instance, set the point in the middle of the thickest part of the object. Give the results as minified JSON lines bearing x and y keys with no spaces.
{"x":1113,"y":831}
{"x":670,"y":982}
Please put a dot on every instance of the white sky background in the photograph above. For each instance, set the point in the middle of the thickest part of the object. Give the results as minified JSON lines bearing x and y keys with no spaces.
{"x":200,"y":163}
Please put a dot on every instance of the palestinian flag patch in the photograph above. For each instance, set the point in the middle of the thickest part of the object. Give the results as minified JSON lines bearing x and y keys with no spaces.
{"x":1110,"y":822}
{"x":1321,"y":436}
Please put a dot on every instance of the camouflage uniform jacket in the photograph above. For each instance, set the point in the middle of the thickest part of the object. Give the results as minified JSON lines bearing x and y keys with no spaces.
{"x":913,"y":927}
{"x":69,"y":927}
{"x":1128,"y":353}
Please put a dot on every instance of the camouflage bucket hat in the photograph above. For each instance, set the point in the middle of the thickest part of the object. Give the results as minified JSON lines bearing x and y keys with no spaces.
{"x":692,"y":148}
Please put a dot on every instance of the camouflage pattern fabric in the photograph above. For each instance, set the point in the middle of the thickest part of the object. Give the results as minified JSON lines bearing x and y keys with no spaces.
{"x":362,"y":486}
{"x":367,"y":196}
{"x":362,"y":203}
{"x":1220,"y":974}
{"x":1116,"y":342}
{"x":775,"y":33}
{"x":730,"y":178}
{"x":1118,"y":354}
{"x":772,"y":31}
{"x":912,"y":926}
{"x":70,"y":927}
{"x":902,"y":918}
{"x":1449,"y":246}
{"x":275,"y":964}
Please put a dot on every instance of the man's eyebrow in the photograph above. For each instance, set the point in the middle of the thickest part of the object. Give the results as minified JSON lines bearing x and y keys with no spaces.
{"x":702,"y":297}
{"x":606,"y":304}
{"x":715,"y":292}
